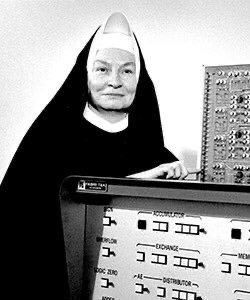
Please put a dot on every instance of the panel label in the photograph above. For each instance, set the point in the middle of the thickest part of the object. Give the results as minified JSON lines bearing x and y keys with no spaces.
{"x":244,"y":255}
{"x":177,"y":281}
{"x":167,"y":247}
{"x":170,"y":214}
{"x":106,"y":240}
{"x":87,"y":185}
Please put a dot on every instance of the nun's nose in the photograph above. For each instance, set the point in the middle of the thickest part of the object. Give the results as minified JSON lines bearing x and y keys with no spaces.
{"x":115,"y":80}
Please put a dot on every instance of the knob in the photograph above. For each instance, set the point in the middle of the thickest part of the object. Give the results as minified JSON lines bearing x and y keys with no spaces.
{"x":239,"y":175}
{"x":240,"y":99}
{"x":221,"y":73}
{"x":238,"y":134}
{"x":237,"y":73}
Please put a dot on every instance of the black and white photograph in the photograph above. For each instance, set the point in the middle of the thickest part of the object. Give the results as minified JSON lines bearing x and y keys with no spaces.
{"x":125,"y":149}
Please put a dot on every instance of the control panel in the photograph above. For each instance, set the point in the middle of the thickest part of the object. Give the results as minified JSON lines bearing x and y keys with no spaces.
{"x":126,"y":239}
{"x":225,"y":156}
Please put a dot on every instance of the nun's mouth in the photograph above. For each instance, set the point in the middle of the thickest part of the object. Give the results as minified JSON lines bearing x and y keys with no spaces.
{"x":113,"y":95}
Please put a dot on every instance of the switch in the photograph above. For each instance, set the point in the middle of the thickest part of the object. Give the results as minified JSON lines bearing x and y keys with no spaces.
{"x":194,"y":230}
{"x":160,"y":226}
{"x":193,"y":263}
{"x":187,"y":228}
{"x":107,"y":221}
{"x":142,"y":224}
{"x":105,"y":283}
{"x":244,"y":270}
{"x":185,"y":262}
{"x":159,"y":259}
{"x":175,"y":294}
{"x":183,"y":295}
{"x":236,"y":233}
{"x":177,"y":261}
{"x":106,"y":252}
{"x":140,"y":256}
{"x":226,"y":267}
{"x":140,"y":289}
{"x":161,"y":292}
{"x":248,"y":271}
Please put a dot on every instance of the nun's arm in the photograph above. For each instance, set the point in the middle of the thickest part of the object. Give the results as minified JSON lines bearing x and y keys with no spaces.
{"x":174,"y":170}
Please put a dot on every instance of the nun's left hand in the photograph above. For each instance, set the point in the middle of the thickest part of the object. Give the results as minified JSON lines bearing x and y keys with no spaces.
{"x":174,"y":170}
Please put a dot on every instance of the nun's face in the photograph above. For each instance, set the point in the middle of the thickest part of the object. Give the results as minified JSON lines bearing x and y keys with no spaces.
{"x":113,"y":82}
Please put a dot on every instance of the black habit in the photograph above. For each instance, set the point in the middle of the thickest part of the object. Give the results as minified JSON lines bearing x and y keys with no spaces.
{"x":61,"y":143}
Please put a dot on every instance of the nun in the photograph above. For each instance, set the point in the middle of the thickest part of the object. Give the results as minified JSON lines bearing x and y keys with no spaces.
{"x":103,"y":121}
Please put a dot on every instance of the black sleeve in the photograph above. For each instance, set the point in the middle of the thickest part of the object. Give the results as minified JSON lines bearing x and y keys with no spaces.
{"x":34,"y":238}
{"x":168,"y":156}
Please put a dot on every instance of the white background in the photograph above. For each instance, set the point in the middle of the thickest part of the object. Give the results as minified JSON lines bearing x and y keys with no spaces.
{"x":40,"y":40}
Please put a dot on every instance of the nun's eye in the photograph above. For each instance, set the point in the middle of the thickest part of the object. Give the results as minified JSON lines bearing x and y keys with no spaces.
{"x":128,"y":71}
{"x":102,"y":70}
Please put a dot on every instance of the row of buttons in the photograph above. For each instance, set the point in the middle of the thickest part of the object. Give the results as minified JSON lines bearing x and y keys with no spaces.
{"x":236,"y":234}
{"x":161,"y":259}
{"x":242,"y":269}
{"x":234,"y":73}
{"x":164,"y":227}
{"x":191,"y":263}
{"x":157,"y":258}
{"x":184,"y":228}
{"x":162,"y":293}
{"x":191,"y":229}
{"x":160,"y":226}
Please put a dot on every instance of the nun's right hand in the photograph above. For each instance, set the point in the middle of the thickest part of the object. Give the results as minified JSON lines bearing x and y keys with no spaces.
{"x":174,"y":170}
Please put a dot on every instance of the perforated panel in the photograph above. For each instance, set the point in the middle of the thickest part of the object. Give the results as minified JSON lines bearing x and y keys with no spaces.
{"x":226,"y":125}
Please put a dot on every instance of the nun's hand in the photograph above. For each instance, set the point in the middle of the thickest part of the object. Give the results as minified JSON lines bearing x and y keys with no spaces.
{"x":174,"y":170}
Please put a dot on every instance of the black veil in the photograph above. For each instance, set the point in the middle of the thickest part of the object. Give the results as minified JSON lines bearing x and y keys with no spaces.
{"x":30,"y":188}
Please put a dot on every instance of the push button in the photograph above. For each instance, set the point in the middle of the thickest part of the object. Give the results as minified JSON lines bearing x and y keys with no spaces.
{"x":188,"y":229}
{"x":142,"y":224}
{"x":141,"y":289}
{"x":160,"y":226}
{"x":105,"y":283}
{"x":244,"y":270}
{"x":185,"y":262}
{"x":159,"y":259}
{"x":106,"y":252}
{"x":161,"y":292}
{"x":184,"y":295}
{"x":140,"y":256}
{"x":236,"y":233}
{"x":226,"y":267}
{"x":107,"y":221}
